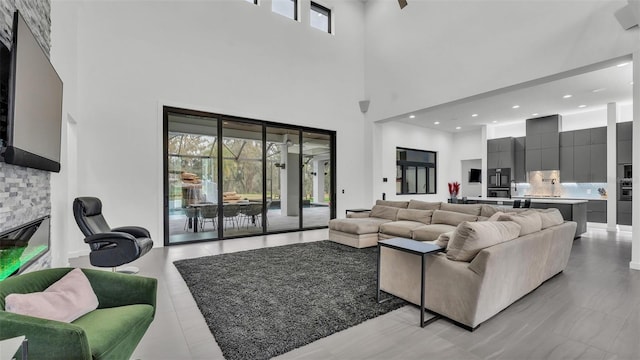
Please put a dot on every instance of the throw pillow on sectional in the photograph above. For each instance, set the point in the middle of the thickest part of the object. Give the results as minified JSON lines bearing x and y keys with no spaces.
{"x":470,"y":238}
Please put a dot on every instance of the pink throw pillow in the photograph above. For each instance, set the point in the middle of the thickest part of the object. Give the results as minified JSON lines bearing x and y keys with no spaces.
{"x":65,"y":300}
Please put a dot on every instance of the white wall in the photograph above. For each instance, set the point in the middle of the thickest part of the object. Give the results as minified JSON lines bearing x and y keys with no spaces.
{"x":467,"y":146}
{"x":389,"y":136}
{"x":228,"y":57}
{"x":434,"y":52}
{"x":466,"y":188}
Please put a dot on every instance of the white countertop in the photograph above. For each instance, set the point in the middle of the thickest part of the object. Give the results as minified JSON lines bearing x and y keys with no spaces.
{"x":533,"y":200}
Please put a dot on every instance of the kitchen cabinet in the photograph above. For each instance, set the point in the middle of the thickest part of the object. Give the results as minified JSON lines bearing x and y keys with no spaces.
{"x":583,"y":155}
{"x":597,"y":211}
{"x":624,"y":142}
{"x":500,"y":153}
{"x":519,"y":172}
{"x":598,"y":166}
{"x":581,"y":163}
{"x":624,"y":212}
{"x":543,"y":144}
{"x":566,"y":164}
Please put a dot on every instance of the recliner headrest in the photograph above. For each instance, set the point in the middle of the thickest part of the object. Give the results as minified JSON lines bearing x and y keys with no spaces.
{"x":90,"y":206}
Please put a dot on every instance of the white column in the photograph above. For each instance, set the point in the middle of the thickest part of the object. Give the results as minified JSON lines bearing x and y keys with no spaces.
{"x":484,"y":161}
{"x":612,"y":164}
{"x":635,"y":206}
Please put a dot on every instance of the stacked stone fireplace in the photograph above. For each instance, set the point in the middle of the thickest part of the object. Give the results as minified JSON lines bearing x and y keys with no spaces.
{"x":25,"y":194}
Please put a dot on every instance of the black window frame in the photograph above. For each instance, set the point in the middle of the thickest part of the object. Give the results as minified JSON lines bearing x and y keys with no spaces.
{"x":255,"y":2}
{"x":314,"y":6}
{"x":404,"y":164}
{"x":296,"y":10}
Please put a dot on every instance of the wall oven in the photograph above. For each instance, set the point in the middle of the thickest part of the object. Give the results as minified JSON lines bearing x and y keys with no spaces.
{"x":499,"y":192}
{"x":626,"y":189}
{"x":499,"y":178}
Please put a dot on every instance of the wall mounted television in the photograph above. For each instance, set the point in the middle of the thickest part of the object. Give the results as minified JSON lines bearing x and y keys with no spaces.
{"x":31,"y":97}
{"x":475,"y":175}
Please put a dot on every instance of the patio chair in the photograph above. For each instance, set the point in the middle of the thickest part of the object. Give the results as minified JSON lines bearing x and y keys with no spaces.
{"x":252,"y":213}
{"x":190,"y":213}
{"x":230,"y":213}
{"x":210,"y":213}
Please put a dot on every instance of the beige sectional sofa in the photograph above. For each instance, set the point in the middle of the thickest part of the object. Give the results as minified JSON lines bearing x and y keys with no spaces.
{"x":418,"y":220}
{"x":487,"y":265}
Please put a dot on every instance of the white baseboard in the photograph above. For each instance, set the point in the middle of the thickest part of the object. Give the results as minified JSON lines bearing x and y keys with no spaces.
{"x":75,"y":254}
{"x":634,"y":265}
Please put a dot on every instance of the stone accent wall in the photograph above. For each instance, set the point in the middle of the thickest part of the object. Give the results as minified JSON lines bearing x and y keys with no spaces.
{"x":37,"y":13}
{"x":25,"y":194}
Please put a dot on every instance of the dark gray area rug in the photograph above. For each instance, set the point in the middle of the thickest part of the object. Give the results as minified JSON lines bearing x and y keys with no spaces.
{"x":266,"y":302}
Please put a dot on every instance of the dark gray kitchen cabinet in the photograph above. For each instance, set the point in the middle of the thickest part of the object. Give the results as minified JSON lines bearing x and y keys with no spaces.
{"x":543,"y":143}
{"x":598,"y":158}
{"x":566,"y":164}
{"x":582,"y":137}
{"x":599,"y":135}
{"x":597,"y":211}
{"x":624,"y":151}
{"x":624,"y":212}
{"x":581,"y":163}
{"x":550,"y":158}
{"x":519,"y":172}
{"x":500,"y":153}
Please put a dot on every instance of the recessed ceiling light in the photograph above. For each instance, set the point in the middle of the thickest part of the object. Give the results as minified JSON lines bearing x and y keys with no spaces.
{"x":582,"y":106}
{"x":474,"y":115}
{"x":535,"y":114}
{"x":623,"y":64}
{"x":412,"y":116}
{"x":515,"y":106}
{"x":437,"y":123}
{"x":567,"y":96}
{"x":598,"y":90}
{"x":495,"y":121}
{"x":458,"y":128}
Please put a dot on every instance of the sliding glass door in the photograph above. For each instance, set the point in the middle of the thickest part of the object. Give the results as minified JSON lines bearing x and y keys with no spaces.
{"x":229,"y":177}
{"x":191,"y":176}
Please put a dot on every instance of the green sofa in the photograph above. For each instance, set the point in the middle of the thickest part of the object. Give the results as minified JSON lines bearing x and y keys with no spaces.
{"x":127,"y":306}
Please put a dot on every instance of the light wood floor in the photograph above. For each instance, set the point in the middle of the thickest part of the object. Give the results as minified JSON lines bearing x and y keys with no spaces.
{"x":591,"y":311}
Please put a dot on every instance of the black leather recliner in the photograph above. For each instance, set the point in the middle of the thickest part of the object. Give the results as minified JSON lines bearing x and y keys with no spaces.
{"x":109,"y":247}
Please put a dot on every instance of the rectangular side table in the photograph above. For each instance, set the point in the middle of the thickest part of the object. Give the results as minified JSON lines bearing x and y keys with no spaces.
{"x":416,"y":248}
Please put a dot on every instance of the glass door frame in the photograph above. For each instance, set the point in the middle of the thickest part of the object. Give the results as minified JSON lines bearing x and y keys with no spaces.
{"x":264,"y":124}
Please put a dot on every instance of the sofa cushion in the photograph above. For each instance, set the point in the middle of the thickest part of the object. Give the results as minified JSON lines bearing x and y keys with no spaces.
{"x":450,"y":217}
{"x":357,"y":226}
{"x":110,"y":329}
{"x":431,"y":232}
{"x":529,"y":221}
{"x":471,"y":237}
{"x":397,"y":204}
{"x":443,"y":239}
{"x":65,"y":300}
{"x":488,"y":210}
{"x":471,"y":209}
{"x":423,"y":216}
{"x":384,"y":212}
{"x":550,"y":217}
{"x":424,"y":205}
{"x":400,"y":228}
{"x":496,"y":216}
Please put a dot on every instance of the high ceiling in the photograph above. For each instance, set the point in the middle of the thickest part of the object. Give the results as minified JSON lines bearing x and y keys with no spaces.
{"x":589,"y":91}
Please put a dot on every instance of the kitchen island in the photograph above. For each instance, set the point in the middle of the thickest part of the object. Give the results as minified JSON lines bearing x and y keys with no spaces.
{"x":571,"y":209}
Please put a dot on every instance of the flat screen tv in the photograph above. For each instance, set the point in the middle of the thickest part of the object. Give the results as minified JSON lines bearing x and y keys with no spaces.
{"x":31,"y":134}
{"x":475,"y":175}
{"x":21,"y":246}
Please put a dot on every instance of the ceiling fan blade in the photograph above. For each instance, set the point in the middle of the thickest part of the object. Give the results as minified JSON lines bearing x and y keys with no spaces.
{"x":402,"y":3}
